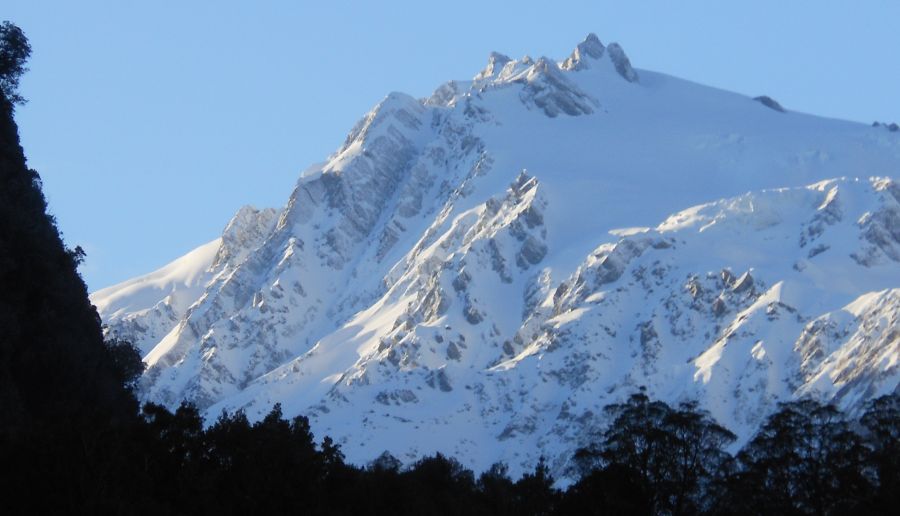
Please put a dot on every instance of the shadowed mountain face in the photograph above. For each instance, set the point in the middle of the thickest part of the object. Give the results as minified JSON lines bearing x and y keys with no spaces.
{"x":481,"y":271}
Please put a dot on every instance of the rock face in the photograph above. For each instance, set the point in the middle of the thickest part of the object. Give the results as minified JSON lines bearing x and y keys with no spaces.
{"x":481,"y":271}
{"x":621,"y":62}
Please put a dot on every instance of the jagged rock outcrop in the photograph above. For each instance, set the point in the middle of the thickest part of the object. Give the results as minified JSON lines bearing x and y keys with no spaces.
{"x":588,"y":50}
{"x":621,"y":62}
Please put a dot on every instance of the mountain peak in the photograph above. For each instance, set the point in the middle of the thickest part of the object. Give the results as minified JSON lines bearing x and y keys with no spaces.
{"x":590,"y":46}
{"x":589,"y":49}
{"x":496,"y":62}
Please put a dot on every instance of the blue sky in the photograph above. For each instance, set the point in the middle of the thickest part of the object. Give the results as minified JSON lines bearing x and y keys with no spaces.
{"x":151,"y":123}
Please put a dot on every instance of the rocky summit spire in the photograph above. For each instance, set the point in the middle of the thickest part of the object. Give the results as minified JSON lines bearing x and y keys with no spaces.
{"x":589,"y":49}
{"x":496,"y":62}
{"x":621,"y":62}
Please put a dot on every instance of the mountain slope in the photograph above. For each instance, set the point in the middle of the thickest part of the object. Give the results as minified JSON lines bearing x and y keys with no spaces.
{"x":455,"y":277}
{"x":144,"y":309}
{"x":720,"y":303}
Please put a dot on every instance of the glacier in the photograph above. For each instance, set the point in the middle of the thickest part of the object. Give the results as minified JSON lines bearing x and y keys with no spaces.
{"x":479,"y":272}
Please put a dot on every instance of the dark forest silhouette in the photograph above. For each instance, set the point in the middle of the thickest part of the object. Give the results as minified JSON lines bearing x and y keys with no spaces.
{"x":73,"y":438}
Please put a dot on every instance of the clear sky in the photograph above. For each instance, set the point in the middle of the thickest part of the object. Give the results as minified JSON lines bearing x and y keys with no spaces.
{"x":151,"y":123}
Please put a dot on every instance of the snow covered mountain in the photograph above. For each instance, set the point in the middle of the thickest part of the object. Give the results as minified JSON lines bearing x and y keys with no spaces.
{"x":481,"y":271}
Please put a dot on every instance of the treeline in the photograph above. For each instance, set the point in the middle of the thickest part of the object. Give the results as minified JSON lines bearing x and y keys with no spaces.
{"x":74,"y":440}
{"x":807,"y":458}
{"x":653,"y":459}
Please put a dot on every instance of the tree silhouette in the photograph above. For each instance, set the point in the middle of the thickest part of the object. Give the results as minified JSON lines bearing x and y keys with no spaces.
{"x":126,"y":361}
{"x":672,"y":456}
{"x":882,"y":424}
{"x":535,"y":493}
{"x":496,"y":490}
{"x":14,"y":53}
{"x":804,"y":460}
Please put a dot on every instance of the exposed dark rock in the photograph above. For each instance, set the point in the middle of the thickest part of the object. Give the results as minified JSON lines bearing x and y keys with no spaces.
{"x":727,"y":277}
{"x":461,"y":281}
{"x":532,"y":252}
{"x":770,"y":103}
{"x":693,"y":286}
{"x":718,"y":307}
{"x":892,"y":127}
{"x":439,"y":380}
{"x":817,"y":250}
{"x":472,"y":314}
{"x":498,"y":263}
{"x":621,"y":62}
{"x":744,"y":283}
{"x":396,"y":397}
{"x":453,"y":352}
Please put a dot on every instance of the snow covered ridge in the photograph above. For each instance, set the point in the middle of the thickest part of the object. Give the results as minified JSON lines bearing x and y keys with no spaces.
{"x":146,"y":308}
{"x":481,"y":271}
